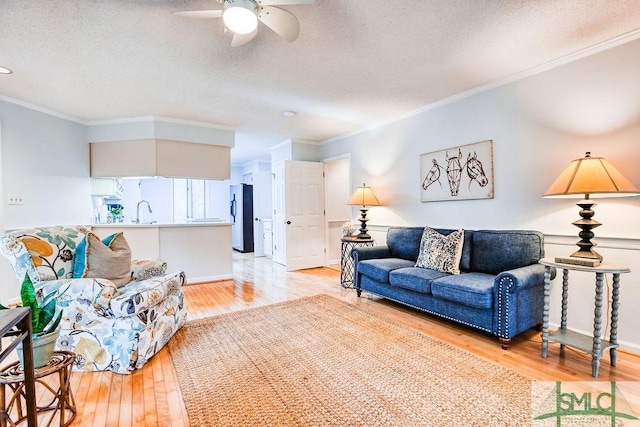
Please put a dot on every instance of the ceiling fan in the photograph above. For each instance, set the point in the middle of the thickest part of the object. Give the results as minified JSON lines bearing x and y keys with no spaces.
{"x":241,"y":18}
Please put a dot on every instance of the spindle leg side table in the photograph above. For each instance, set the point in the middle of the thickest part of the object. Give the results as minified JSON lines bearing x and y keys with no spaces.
{"x":595,"y":345}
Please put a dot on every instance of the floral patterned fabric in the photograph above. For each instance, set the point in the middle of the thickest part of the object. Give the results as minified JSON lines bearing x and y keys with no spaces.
{"x":142,"y":269}
{"x":440,"y":252}
{"x":109,"y":328}
{"x":44,"y":253}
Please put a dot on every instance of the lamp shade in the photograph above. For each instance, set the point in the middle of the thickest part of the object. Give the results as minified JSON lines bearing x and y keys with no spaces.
{"x":363,"y":196}
{"x":591,"y":177}
{"x":586,"y":178}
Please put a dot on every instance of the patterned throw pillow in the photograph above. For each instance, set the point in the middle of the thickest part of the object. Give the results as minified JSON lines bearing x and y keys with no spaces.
{"x":143,"y":269}
{"x":80,"y":261}
{"x":45,"y":253}
{"x":111,"y":262}
{"x":439,"y":252}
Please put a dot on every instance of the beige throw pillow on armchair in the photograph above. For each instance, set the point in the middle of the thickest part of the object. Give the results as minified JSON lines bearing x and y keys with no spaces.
{"x":111,"y":262}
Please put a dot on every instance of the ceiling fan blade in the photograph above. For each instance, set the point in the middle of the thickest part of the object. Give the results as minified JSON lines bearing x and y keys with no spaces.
{"x":240,"y":39}
{"x":203,"y":14}
{"x":282,"y":22}
{"x":283,"y":2}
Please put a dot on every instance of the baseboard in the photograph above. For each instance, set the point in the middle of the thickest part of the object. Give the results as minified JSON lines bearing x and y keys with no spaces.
{"x":203,"y":279}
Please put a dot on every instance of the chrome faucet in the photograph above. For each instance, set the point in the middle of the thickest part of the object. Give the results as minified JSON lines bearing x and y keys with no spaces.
{"x":138,"y":210}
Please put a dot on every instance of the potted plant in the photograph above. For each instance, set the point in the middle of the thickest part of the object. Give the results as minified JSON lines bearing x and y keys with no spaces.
{"x":44,"y":322}
{"x":116,"y":214}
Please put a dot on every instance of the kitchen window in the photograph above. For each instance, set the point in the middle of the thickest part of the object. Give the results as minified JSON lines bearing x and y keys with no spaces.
{"x":190,"y":199}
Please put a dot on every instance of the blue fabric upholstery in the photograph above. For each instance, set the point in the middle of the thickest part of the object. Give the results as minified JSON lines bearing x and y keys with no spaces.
{"x":404,"y":242}
{"x":415,"y":278}
{"x":379,"y":269}
{"x":497,"y":251}
{"x":499,"y":290}
{"x":472,"y":289}
{"x":470,"y":316}
{"x":371,"y":252}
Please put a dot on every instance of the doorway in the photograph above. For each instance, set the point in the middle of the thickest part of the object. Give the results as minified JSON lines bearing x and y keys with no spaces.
{"x":337,"y":172}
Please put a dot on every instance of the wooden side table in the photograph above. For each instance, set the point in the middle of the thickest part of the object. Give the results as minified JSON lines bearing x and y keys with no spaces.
{"x":59,"y":400}
{"x":16,"y":322}
{"x":346,"y":262}
{"x":595,"y":345}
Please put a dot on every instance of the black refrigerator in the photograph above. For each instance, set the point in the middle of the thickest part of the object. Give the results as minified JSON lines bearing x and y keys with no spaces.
{"x":242,"y":217}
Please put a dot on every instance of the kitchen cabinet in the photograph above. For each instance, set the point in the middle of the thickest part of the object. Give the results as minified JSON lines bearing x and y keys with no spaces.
{"x":106,"y":187}
{"x":159,"y":157}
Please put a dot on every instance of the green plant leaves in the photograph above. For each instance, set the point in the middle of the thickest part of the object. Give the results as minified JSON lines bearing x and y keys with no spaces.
{"x":42,"y":314}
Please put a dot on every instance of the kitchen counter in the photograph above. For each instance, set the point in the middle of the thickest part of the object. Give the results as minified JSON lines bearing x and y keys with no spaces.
{"x":201,"y":249}
{"x":160,"y":224}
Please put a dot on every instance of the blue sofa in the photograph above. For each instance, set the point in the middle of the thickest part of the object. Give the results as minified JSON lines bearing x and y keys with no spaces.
{"x":499,"y":289}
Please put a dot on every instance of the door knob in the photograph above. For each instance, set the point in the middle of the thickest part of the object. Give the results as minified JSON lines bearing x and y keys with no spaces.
{"x":288,"y":222}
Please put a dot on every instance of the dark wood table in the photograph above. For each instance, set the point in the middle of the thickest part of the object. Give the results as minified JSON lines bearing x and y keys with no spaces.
{"x":16,"y":322}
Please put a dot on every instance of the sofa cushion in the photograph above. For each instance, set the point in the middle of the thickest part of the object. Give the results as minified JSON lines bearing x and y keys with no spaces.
{"x":379,"y":269}
{"x":472,"y":289}
{"x":440,"y":252}
{"x":404,"y":242}
{"x":414,"y":278}
{"x":501,"y":250}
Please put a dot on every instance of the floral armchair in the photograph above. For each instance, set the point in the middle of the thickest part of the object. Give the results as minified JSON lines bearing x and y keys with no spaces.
{"x":108,"y":327}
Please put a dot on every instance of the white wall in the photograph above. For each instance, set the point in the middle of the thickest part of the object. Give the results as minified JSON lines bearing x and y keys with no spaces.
{"x":306,"y":151}
{"x":159,"y":193}
{"x":219,"y":199}
{"x":45,"y":159}
{"x":538,"y":125}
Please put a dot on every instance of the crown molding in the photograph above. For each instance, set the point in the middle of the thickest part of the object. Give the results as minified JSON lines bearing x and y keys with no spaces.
{"x":41,"y":109}
{"x":554,"y":63}
{"x":160,"y":119}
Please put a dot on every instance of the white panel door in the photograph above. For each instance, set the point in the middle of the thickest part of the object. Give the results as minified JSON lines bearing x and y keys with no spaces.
{"x":304,"y":214}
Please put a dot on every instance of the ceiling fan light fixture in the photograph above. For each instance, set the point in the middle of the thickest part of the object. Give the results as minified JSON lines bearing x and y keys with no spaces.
{"x":240,"y":16}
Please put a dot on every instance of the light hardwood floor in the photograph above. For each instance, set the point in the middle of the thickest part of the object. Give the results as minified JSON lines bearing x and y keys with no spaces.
{"x":151,"y":396}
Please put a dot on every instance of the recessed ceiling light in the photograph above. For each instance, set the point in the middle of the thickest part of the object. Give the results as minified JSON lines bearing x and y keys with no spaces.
{"x":5,"y":70}
{"x":289,"y":113}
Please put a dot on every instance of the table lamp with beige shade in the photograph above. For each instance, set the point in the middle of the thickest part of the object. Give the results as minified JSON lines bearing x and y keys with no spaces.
{"x":363,"y":196}
{"x":589,"y":177}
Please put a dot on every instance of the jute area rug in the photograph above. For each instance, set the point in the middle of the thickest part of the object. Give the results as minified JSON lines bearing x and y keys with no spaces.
{"x":318,"y":361}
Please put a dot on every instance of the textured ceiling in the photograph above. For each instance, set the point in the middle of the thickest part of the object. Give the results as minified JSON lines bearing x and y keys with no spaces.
{"x":356,"y":63}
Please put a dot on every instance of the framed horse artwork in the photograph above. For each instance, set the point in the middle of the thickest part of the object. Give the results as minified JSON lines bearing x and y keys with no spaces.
{"x":459,"y":173}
